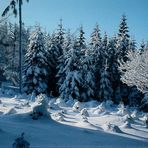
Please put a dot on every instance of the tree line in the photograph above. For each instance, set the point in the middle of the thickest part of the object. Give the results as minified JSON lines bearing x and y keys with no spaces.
{"x":63,"y":64}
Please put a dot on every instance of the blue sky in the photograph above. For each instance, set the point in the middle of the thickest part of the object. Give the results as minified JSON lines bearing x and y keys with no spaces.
{"x":87,"y":12}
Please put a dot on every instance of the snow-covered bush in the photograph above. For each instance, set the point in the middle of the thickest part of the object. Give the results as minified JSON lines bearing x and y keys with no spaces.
{"x":122,"y":110}
{"x":127,"y":124}
{"x":100,"y":108}
{"x":84,"y":119}
{"x":111,"y":128}
{"x":20,"y":142}
{"x":40,"y":109}
{"x":127,"y":119}
{"x":52,"y":104}
{"x":60,"y":102}
{"x":134,"y":115}
{"x":77,"y":106}
{"x":84,"y":112}
{"x":58,"y":116}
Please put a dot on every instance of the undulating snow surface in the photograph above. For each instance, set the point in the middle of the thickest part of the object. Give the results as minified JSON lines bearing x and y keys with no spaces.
{"x":89,"y":125}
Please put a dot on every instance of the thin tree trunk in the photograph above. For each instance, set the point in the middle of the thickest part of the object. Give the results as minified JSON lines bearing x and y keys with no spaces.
{"x":20,"y":47}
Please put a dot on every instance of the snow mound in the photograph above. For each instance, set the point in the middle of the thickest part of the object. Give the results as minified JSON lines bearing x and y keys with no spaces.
{"x":84,"y":112}
{"x":52,"y":104}
{"x":111,"y":128}
{"x":40,"y":109}
{"x":144,"y":119}
{"x":10,"y":111}
{"x":58,"y":116}
{"x":122,"y":110}
{"x":99,"y":109}
{"x":60,"y":102}
{"x":127,"y":117}
{"x":134,"y":115}
{"x":126,"y":125}
{"x":76,"y":107}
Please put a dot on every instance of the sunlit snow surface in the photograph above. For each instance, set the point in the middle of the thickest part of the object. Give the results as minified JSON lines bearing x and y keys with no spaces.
{"x":67,"y":127}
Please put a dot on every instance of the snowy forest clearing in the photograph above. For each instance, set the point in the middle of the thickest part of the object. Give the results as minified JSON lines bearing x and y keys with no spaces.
{"x":71,"y":124}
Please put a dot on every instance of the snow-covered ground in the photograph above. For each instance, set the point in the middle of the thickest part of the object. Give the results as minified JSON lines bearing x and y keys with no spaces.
{"x":88,"y":125}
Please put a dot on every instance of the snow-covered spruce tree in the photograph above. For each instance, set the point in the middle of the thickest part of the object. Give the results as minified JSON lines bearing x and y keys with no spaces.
{"x":100,"y":62}
{"x":61,"y":67}
{"x":81,"y":40}
{"x":88,"y":74}
{"x":86,"y":69}
{"x":3,"y":50}
{"x":52,"y":57}
{"x":95,"y":37}
{"x":77,"y":83}
{"x":70,"y":88}
{"x":123,"y":39}
{"x":59,"y":37}
{"x":55,"y":51}
{"x":132,"y":45}
{"x":123,"y":48}
{"x":142,"y":47}
{"x":68,"y":41}
{"x":36,"y":65}
{"x":113,"y":67}
{"x":96,"y":47}
{"x":11,"y":69}
{"x":105,"y":92}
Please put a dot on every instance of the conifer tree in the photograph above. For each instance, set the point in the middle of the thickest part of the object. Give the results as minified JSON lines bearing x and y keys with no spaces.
{"x":132,"y":45}
{"x":59,"y":38}
{"x":61,"y":67}
{"x":52,"y":58}
{"x":123,"y":39}
{"x":36,"y":64}
{"x":70,"y":88}
{"x":56,"y":49}
{"x":96,"y":37}
{"x":142,"y":47}
{"x":105,"y":92}
{"x":96,"y":47}
{"x":122,"y":90}
{"x":113,"y":65}
{"x":88,"y":74}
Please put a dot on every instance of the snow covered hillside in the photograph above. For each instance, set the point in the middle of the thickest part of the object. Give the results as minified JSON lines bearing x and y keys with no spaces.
{"x":72,"y":124}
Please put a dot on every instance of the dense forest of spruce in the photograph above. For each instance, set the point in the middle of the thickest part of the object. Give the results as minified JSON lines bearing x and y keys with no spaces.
{"x":63,"y":64}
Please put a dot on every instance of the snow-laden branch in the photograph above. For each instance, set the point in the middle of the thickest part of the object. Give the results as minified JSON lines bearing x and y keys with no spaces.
{"x":135,"y":71}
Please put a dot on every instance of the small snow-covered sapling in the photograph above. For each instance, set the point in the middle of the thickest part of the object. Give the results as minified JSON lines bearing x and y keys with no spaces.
{"x":20,"y":142}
